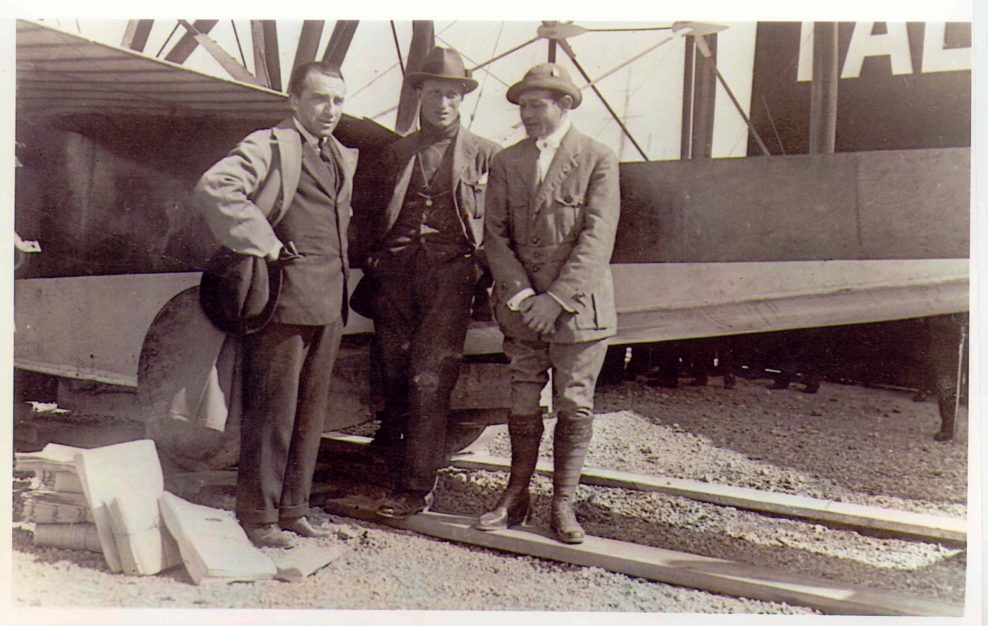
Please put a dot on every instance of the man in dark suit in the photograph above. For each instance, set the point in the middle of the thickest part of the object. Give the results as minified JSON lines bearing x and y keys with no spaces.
{"x":552,"y":213}
{"x":425,"y":263}
{"x":287,"y":364}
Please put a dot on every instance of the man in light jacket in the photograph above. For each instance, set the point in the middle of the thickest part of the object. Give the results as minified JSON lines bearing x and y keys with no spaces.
{"x":552,"y":213}
{"x":284,"y":194}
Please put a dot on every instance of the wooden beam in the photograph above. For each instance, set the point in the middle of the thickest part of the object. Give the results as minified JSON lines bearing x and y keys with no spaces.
{"x":230,"y":64}
{"x":339,"y":41}
{"x":187,"y":44}
{"x":686,"y":131}
{"x":267,"y":63}
{"x":136,"y":35}
{"x":676,"y":568}
{"x":308,"y":42}
{"x":552,"y":42}
{"x":705,"y":88}
{"x":823,"y":89}
{"x":875,"y":518}
{"x":260,"y":65}
{"x":423,"y":41}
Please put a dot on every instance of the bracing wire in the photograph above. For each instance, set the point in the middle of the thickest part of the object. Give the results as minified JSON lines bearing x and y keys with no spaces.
{"x":483,"y":83}
{"x":167,"y":40}
{"x":394,"y":34}
{"x":236,"y":35}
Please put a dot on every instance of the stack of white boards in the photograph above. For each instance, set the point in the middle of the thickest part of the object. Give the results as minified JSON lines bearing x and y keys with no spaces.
{"x":214,"y":546}
{"x":112,"y":500}
{"x":57,"y":505}
{"x":122,"y":484}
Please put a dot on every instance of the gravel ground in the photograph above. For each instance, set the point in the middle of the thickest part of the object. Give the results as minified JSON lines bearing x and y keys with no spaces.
{"x":845,"y":443}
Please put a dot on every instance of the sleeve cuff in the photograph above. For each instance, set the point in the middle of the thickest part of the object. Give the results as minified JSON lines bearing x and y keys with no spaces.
{"x":562,"y":303}
{"x":518,"y":298}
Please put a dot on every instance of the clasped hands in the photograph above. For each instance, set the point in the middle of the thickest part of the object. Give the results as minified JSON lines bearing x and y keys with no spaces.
{"x":540,"y":313}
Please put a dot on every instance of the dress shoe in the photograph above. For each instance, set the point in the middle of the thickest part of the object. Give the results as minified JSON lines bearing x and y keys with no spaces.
{"x":269,"y":536}
{"x":302,"y":527}
{"x":405,"y":504}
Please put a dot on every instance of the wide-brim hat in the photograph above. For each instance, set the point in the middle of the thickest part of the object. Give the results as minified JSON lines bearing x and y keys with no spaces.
{"x":443,"y":64}
{"x":546,"y":76}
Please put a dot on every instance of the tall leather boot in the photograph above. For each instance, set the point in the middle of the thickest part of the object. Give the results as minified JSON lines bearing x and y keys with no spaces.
{"x":513,"y":507}
{"x":570,"y":442}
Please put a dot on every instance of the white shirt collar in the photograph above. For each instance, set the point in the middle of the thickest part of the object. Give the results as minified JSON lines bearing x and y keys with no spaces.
{"x":556,"y":137}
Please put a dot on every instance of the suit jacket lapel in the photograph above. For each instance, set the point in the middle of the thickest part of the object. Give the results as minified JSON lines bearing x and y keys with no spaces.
{"x":406,"y":158}
{"x":319,"y":169}
{"x":526,"y":170}
{"x":289,"y":144}
{"x":464,"y":149}
{"x":560,"y":167}
{"x":348,"y":160}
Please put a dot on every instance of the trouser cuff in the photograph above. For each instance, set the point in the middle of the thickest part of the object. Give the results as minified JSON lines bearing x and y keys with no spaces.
{"x":258,"y":516}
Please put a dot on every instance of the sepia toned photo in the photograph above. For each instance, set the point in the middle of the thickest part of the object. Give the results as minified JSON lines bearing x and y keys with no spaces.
{"x":608,"y":317}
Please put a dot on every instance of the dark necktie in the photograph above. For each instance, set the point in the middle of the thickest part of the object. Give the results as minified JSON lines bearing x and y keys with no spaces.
{"x":328,"y":154}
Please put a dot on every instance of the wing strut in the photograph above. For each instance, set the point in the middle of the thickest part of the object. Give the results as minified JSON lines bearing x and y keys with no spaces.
{"x":572,"y":56}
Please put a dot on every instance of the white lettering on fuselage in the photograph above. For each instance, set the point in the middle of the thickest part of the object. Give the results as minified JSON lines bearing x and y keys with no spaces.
{"x":894,"y":44}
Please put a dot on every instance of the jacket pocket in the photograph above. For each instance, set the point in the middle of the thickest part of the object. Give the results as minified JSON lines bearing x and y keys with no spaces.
{"x":598,"y":314}
{"x":586,"y":317}
{"x":472,"y":193}
{"x":571,"y":200}
{"x":565,"y":216}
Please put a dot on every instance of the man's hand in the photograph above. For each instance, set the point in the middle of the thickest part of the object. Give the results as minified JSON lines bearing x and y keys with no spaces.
{"x":540,"y":312}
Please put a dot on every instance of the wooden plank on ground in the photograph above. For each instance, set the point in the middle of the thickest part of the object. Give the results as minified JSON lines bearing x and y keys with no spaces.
{"x":295,"y":564}
{"x":214,"y":547}
{"x":676,"y":568}
{"x":127,"y":479}
{"x":876,"y":518}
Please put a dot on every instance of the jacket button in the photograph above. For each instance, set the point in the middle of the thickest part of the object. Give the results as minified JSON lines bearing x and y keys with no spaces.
{"x":536,"y":240}
{"x":536,"y":268}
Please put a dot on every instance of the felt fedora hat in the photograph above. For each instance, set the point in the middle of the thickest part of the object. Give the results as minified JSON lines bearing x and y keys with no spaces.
{"x":444,"y":64}
{"x":546,"y":76}
{"x":238,"y":292}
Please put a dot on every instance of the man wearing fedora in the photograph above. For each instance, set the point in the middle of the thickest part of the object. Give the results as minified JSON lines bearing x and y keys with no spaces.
{"x":283,"y":194}
{"x":425,"y":263}
{"x":552,"y":213}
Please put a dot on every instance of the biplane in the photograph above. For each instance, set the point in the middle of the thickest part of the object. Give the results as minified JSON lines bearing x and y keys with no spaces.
{"x":846,"y":200}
